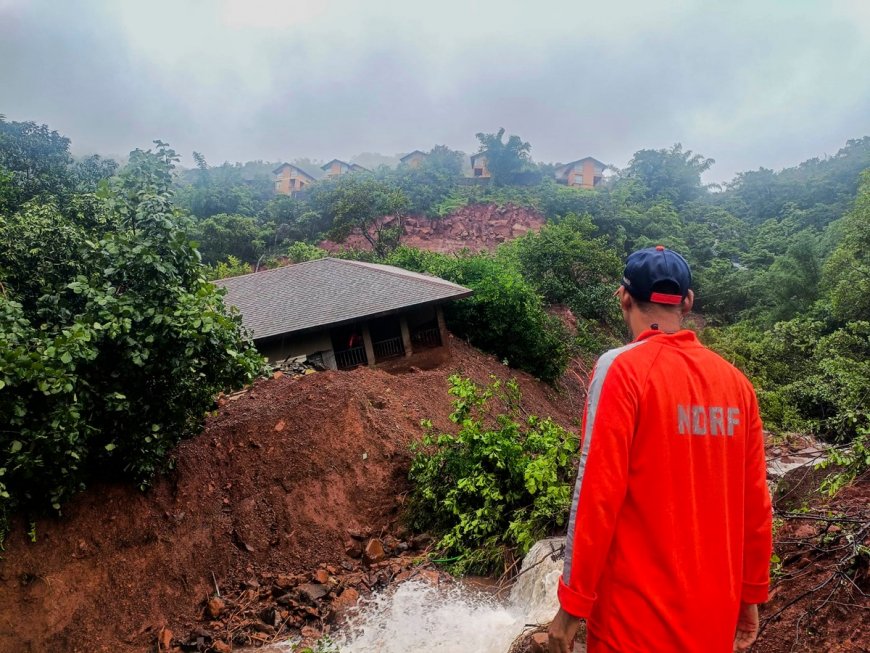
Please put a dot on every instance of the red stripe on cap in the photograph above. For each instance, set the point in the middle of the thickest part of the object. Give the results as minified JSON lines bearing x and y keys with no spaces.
{"x":662,"y":298}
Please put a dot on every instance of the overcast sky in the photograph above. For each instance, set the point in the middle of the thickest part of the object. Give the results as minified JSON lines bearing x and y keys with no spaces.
{"x":755,"y":83}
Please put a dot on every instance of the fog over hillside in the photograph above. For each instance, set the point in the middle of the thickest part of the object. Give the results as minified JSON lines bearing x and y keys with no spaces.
{"x":748,"y":83}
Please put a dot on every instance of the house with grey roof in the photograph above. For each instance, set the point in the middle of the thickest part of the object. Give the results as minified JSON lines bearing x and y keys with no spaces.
{"x":341,"y":313}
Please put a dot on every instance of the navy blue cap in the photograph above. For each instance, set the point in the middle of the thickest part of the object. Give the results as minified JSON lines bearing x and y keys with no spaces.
{"x":648,"y":270}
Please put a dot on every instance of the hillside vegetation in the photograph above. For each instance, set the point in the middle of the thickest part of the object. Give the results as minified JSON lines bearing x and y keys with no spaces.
{"x":114,"y":343}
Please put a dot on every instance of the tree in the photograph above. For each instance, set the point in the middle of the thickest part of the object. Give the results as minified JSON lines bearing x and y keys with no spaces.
{"x":224,"y":235}
{"x":363,"y":203}
{"x":568,"y":265}
{"x":35,"y":162}
{"x":505,"y":160}
{"x":673,"y":174}
{"x":112,"y":343}
{"x":847,"y":272}
{"x":442,"y":160}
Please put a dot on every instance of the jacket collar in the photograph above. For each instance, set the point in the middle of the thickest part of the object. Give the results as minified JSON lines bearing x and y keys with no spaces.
{"x":681,"y":337}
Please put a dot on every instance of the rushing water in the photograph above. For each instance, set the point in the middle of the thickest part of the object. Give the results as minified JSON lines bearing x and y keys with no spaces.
{"x":418,"y":617}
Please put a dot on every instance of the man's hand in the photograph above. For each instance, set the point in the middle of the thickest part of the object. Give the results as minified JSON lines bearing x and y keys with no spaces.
{"x":747,"y":627}
{"x":562,"y":631}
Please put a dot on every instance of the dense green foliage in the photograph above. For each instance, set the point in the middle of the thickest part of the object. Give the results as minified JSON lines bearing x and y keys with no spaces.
{"x":773,"y":253}
{"x":506,"y":160}
{"x":98,"y":272}
{"x":361,"y":203}
{"x":112,"y":343}
{"x":495,"y":486}
{"x":505,"y":315}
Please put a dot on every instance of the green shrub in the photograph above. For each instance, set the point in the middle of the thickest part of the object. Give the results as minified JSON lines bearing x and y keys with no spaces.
{"x":504,"y":316}
{"x":232,"y":267}
{"x":299,"y":252}
{"x":112,"y":343}
{"x":497,"y":485}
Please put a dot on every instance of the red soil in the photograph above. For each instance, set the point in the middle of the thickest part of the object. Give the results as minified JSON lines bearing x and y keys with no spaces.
{"x":270,"y":485}
{"x":475,"y":227}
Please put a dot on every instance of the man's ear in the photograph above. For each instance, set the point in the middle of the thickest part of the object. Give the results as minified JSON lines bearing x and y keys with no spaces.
{"x":688,"y":302}
{"x":625,"y":299}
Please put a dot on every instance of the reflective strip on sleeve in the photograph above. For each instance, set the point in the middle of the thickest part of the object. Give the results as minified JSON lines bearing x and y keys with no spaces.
{"x":592,"y":399}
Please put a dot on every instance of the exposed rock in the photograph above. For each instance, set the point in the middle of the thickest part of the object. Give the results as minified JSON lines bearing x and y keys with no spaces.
{"x":311,"y":592}
{"x":806,"y":530}
{"x":321,"y":576}
{"x":475,"y":227}
{"x":215,"y":607}
{"x":353,"y":548}
{"x":374,"y":551}
{"x":421,"y":541}
{"x":539,"y":643}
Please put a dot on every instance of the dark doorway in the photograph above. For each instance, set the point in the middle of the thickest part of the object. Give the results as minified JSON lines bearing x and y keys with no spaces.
{"x":387,"y":337}
{"x":349,"y":349}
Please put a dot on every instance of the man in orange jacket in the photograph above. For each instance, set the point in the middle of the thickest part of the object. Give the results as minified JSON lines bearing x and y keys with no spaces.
{"x":669,"y":538}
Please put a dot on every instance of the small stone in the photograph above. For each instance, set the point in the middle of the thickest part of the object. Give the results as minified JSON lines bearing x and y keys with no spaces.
{"x":309,"y":633}
{"x":539,"y":643}
{"x":321,"y":576}
{"x":278,"y":374}
{"x":353,"y":548}
{"x":421,"y":541}
{"x":391,"y":543}
{"x":215,"y":607}
{"x":347,"y":599}
{"x":355,"y":534}
{"x":164,"y":639}
{"x":280,"y":425}
{"x":374,"y":551}
{"x":312,"y":591}
{"x":221,"y":647}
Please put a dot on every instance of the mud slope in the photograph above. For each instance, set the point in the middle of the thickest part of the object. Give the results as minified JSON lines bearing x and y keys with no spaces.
{"x":475,"y":227}
{"x":272,"y":483}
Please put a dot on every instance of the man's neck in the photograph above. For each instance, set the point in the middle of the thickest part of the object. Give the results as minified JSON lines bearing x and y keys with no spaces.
{"x":664,"y":322}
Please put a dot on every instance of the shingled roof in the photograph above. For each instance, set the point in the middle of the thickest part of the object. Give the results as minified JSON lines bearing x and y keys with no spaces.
{"x":329,"y":292}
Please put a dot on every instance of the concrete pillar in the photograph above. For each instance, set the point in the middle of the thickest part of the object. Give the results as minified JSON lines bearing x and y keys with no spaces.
{"x":406,"y":335}
{"x":367,"y":341}
{"x":442,"y":326}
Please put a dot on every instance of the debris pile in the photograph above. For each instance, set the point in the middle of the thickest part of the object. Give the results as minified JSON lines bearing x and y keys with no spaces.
{"x":271,"y":485}
{"x":475,"y":227}
{"x":271,"y":607}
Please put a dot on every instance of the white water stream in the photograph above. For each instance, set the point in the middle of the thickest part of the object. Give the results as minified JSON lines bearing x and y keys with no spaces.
{"x":418,"y":617}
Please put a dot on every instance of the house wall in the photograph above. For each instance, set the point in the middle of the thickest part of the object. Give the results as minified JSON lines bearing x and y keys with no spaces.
{"x":415,"y":161}
{"x":278,"y":349}
{"x":479,"y":168}
{"x":588,"y":174}
{"x":289,"y":181}
{"x":337,"y":169}
{"x":583,"y":176}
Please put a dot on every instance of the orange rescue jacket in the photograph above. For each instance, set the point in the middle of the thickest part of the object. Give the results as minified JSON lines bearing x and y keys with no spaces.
{"x":670,"y":524}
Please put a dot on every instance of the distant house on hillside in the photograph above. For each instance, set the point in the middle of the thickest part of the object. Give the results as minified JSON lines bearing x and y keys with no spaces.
{"x":414,"y":159}
{"x":342,"y":313}
{"x":583,"y":173}
{"x":478,"y":165}
{"x":291,"y":179}
{"x":337,"y":168}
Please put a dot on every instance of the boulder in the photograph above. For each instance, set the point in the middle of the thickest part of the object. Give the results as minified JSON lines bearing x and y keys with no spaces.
{"x":374,"y":551}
